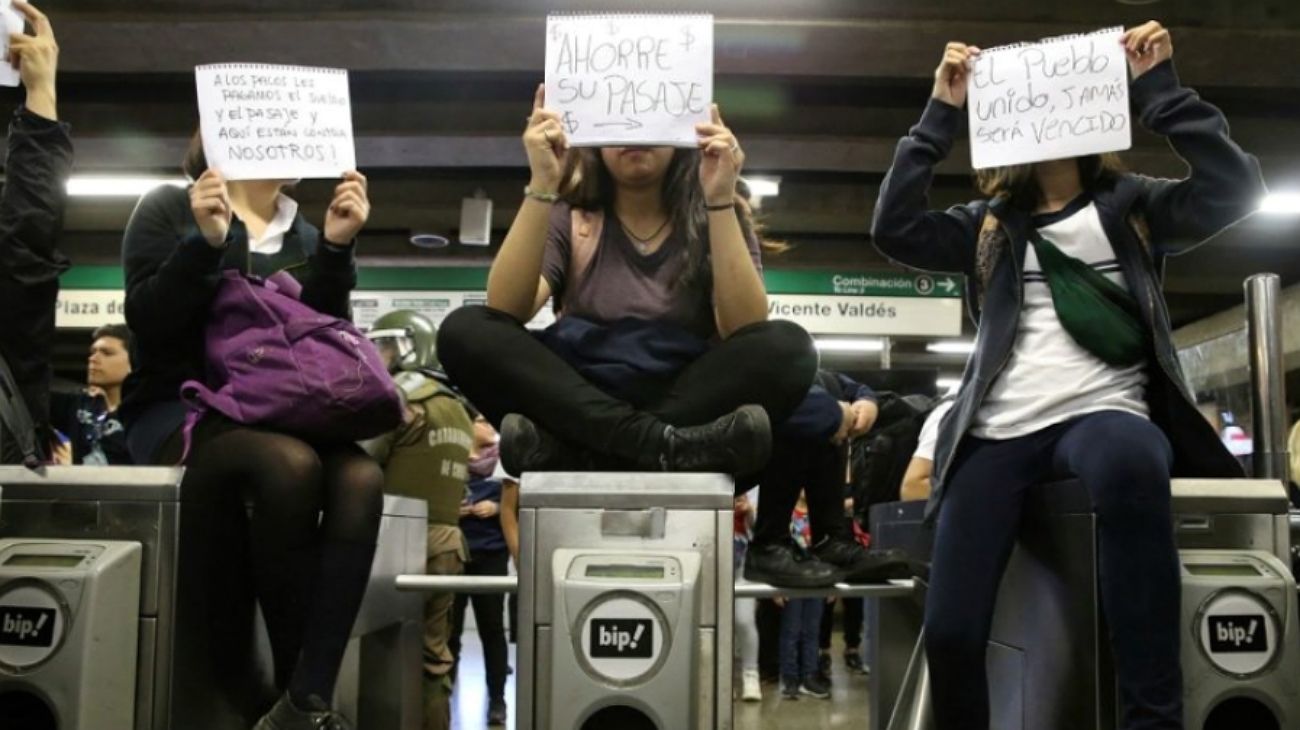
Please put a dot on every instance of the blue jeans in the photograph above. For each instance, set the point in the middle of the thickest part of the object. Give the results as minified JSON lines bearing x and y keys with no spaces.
{"x":1123,"y":460}
{"x":801,"y":621}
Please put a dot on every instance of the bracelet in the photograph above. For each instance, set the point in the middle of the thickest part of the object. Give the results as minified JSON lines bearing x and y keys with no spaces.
{"x":719,"y":207}
{"x":540,"y":196}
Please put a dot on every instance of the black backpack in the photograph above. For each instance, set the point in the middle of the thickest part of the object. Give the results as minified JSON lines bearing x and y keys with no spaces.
{"x":878,"y":460}
{"x":18,"y":441}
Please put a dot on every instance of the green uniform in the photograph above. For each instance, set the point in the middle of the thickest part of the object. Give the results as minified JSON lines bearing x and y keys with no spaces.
{"x":426,"y":458}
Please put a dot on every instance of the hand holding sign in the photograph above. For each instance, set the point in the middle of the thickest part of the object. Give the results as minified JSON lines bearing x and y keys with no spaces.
{"x":953,"y":73}
{"x":210,"y":204}
{"x":348,"y":211}
{"x":547,"y":146}
{"x":35,"y":56}
{"x":720,"y":161}
{"x":1147,"y":46}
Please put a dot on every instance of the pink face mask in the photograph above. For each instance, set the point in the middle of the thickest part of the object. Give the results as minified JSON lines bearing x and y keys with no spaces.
{"x":485,"y":463}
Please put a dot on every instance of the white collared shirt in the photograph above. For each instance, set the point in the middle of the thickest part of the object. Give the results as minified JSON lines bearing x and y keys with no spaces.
{"x":272,"y":239}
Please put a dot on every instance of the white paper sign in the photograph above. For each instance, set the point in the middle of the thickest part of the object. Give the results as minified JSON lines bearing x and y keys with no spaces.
{"x":1061,"y":97}
{"x":267,"y":122}
{"x":13,"y":23}
{"x":630,"y":79}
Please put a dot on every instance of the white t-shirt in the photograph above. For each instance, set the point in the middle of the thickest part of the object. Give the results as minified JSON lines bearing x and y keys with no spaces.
{"x":929,"y":438}
{"x":1049,"y":378}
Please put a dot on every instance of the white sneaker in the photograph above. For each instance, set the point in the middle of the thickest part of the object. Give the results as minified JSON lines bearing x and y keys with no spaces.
{"x":750,"y":690}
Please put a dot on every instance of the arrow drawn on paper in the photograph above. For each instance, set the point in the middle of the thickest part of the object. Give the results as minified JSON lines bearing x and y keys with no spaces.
{"x":628,"y":124}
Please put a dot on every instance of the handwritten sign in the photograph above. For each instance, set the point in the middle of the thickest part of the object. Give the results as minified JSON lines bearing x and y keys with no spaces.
{"x":12,"y":23}
{"x":266,"y":122}
{"x":1060,"y":97}
{"x":630,"y":79}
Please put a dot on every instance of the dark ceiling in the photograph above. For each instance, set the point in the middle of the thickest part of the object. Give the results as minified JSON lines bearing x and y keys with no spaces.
{"x":818,"y":91}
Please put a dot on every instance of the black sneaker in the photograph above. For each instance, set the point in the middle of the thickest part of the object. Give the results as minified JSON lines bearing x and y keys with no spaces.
{"x":815,"y":686}
{"x":738,"y":443}
{"x":526,"y":446}
{"x":497,"y":713}
{"x":824,"y":664}
{"x":860,"y":565}
{"x":790,"y":689}
{"x":781,"y":564}
{"x":853,"y":662}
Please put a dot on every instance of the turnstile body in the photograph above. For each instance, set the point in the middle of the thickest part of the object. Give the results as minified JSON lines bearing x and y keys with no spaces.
{"x":625,"y":606}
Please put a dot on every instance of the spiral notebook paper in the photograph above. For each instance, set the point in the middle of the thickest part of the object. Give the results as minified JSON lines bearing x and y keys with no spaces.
{"x":1060,"y":97}
{"x":269,"y":122}
{"x":630,"y":79}
{"x":13,"y":23}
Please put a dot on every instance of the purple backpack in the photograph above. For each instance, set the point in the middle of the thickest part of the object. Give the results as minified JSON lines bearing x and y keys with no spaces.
{"x":273,"y":361}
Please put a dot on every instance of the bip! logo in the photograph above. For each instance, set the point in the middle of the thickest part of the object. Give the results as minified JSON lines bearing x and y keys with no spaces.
{"x":1237,"y":634}
{"x":622,"y":638}
{"x":26,"y":626}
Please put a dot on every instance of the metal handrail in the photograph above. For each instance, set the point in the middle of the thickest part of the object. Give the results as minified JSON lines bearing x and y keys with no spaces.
{"x":743,"y":589}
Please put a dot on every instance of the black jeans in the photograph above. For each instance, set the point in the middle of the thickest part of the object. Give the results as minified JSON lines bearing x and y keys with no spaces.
{"x":1124,"y":462}
{"x":489,"y":616}
{"x":815,"y":467}
{"x":851,"y":609}
{"x":504,"y":369}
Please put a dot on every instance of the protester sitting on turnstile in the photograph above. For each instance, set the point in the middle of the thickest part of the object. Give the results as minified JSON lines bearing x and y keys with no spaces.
{"x":1074,"y":371}
{"x":663,"y":357}
{"x":808,"y":454}
{"x":316,"y":506}
{"x":32,"y":202}
{"x":916,"y":482}
{"x":801,"y":623}
{"x":426,"y":458}
{"x":480,"y":520}
{"x":88,"y":418}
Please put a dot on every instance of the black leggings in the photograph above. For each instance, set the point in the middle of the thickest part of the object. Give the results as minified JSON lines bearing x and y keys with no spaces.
{"x":315,"y":519}
{"x":489,"y":616}
{"x":817,"y":468}
{"x":504,"y":369}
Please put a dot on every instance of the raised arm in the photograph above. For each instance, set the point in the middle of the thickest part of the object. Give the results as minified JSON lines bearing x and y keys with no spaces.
{"x":1225,"y":183}
{"x":739,"y":298}
{"x":515,"y":280}
{"x":903,"y":227}
{"x":332,"y":271}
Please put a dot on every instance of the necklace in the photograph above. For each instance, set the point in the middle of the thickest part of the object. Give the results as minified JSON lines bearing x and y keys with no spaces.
{"x":643,"y":244}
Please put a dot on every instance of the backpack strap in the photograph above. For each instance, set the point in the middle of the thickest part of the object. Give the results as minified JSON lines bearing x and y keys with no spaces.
{"x":584,"y":238}
{"x":15,"y":420}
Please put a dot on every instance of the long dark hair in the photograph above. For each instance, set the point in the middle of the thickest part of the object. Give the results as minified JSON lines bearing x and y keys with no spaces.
{"x":1018,"y":184}
{"x":592,"y":187}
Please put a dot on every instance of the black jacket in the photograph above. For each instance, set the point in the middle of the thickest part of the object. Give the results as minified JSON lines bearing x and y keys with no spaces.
{"x":31,"y":220}
{"x":1225,"y":184}
{"x":171,"y":279}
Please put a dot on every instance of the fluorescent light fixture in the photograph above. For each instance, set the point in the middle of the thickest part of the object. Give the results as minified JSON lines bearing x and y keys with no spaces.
{"x":763,"y":187}
{"x":948,"y":385}
{"x":1283,"y":203}
{"x":849,"y":345}
{"x":105,"y":186}
{"x":950,"y":347}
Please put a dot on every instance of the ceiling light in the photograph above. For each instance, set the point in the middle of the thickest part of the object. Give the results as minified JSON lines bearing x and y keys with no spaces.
{"x":763,"y":187}
{"x":950,"y":347}
{"x":1287,"y":203}
{"x":948,"y":385}
{"x":849,"y":345}
{"x":97,"y":186}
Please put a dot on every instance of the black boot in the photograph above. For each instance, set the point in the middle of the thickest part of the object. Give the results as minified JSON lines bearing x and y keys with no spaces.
{"x":526,"y":447}
{"x":737,"y":443}
{"x":782,"y":564}
{"x":860,"y":565}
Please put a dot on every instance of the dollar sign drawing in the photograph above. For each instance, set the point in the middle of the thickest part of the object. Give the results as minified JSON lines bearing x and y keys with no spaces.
{"x":570,"y":124}
{"x":688,"y":38}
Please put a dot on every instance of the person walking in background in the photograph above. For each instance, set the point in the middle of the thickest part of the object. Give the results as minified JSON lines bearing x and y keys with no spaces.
{"x":800,"y":625}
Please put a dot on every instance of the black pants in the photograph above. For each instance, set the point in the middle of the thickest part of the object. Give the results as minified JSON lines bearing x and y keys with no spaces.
{"x":851,"y":610}
{"x":815,"y":467}
{"x":1124,"y":462}
{"x":489,"y":615}
{"x":768,"y":618}
{"x":504,"y":369}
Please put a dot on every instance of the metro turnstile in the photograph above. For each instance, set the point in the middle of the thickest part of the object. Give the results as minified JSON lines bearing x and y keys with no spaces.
{"x":626,"y":582}
{"x":202,"y":663}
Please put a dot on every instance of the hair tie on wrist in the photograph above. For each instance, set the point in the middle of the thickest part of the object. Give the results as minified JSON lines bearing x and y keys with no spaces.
{"x":721,"y":206}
